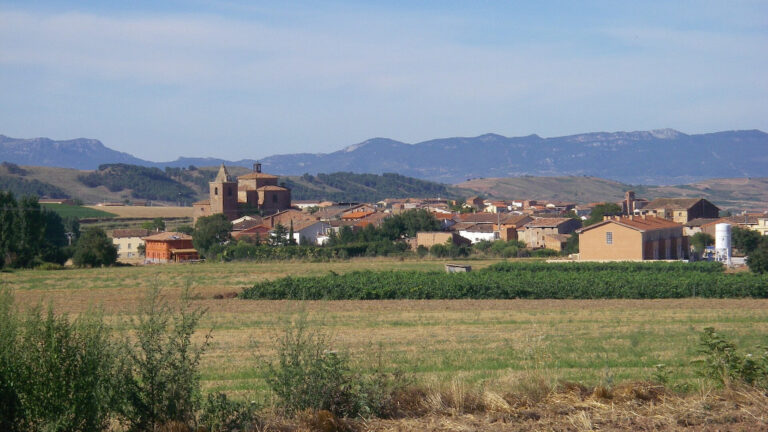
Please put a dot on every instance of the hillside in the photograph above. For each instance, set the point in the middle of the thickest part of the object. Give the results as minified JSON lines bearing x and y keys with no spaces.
{"x":344,"y":186}
{"x":120,"y":182}
{"x":653,"y":157}
{"x":738,"y":193}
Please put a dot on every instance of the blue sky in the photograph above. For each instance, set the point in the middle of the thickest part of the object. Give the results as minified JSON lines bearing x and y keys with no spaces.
{"x":240,"y":79}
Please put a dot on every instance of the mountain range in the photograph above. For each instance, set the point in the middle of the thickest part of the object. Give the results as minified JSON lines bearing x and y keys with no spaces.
{"x":663,"y":156}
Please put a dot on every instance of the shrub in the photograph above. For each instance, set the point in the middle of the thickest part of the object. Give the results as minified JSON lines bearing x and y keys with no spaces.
{"x":438,"y":251}
{"x":68,"y":380}
{"x":309,"y":375}
{"x":223,"y":414}
{"x":724,"y":364}
{"x":55,"y":374}
{"x":758,"y":259}
{"x":161,"y":372}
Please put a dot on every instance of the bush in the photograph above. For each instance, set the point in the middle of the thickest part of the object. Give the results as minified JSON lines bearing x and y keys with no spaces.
{"x":161,"y":370}
{"x":758,"y":259}
{"x":223,"y":414}
{"x":725,"y":365}
{"x":438,"y":251}
{"x":310,"y":375}
{"x":55,"y":374}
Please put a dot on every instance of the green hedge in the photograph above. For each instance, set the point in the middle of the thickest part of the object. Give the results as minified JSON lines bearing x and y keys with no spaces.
{"x":523,"y":280}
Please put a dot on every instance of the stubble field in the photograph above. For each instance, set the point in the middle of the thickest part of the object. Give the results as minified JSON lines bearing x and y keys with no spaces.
{"x":491,"y":344}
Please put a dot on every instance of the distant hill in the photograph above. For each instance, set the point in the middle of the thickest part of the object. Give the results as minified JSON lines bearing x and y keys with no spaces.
{"x":120,"y":182}
{"x":81,"y":153}
{"x":364,"y":187}
{"x":646,"y":157}
{"x":738,"y":193}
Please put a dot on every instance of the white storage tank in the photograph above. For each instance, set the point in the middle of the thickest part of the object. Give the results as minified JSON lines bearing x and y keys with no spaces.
{"x":723,"y":243}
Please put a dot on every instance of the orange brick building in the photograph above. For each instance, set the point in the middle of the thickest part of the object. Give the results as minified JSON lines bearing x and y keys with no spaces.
{"x":171,"y":246}
{"x":632,"y":238}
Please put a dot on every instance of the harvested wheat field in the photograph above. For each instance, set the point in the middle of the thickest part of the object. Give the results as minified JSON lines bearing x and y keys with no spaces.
{"x":474,"y":364}
{"x":146,"y":212}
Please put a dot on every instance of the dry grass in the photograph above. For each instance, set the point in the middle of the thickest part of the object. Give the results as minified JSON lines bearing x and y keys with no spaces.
{"x":483,"y":364}
{"x":147,"y":212}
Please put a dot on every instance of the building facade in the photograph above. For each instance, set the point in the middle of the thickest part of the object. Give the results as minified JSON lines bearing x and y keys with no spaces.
{"x":168,"y":247}
{"x":632,"y":238}
{"x":253,"y":191}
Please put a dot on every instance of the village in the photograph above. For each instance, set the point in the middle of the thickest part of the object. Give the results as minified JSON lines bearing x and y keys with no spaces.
{"x":635,"y":229}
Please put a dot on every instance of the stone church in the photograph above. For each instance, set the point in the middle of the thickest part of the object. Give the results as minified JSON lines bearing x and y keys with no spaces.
{"x":252,"y":191}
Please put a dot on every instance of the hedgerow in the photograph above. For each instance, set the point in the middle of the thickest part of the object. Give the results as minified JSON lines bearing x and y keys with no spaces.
{"x":523,"y":280}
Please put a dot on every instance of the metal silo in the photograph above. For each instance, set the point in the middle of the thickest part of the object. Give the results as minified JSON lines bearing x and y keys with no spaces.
{"x":723,"y":243}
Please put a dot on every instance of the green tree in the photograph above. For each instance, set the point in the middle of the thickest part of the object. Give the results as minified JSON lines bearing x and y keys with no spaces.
{"x":571,"y":245}
{"x":9,"y":234}
{"x":758,"y":259}
{"x":279,"y":236}
{"x":600,"y":210}
{"x":185,"y":229}
{"x":211,"y":231}
{"x":701,"y":240}
{"x":94,"y":249}
{"x":745,"y":239}
{"x":156,"y":224}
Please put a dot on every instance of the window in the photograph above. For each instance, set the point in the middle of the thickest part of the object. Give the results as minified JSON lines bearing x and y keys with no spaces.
{"x":229,"y":191}
{"x":215,"y":191}
{"x":608,"y":237}
{"x":129,"y":245}
{"x":274,"y":198}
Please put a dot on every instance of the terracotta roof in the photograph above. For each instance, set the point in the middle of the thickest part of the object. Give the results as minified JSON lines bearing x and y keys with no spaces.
{"x":356,"y":215}
{"x":639,"y":223}
{"x":203,"y":202}
{"x":672,"y":203}
{"x":463,"y":226}
{"x":300,"y":225}
{"x":546,"y":222}
{"x":168,"y":235}
{"x":700,"y":222}
{"x":271,"y":188}
{"x":256,"y":175}
{"x":514,"y":219}
{"x":483,"y":228}
{"x":478,"y":217}
{"x":123,"y":233}
{"x":245,"y":224}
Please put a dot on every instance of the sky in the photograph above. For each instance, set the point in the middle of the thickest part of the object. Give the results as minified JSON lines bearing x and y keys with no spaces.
{"x":249,"y":79}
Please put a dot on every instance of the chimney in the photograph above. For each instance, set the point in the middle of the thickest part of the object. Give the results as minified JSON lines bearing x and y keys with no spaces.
{"x":257,"y":167}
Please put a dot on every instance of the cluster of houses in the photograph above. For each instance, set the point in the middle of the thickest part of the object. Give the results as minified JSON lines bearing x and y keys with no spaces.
{"x":644,"y":230}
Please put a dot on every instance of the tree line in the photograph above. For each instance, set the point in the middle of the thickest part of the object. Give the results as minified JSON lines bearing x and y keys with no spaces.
{"x":31,"y":236}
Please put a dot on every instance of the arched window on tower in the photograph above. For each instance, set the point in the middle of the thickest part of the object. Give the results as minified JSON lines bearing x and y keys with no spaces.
{"x":229,"y":191}
{"x":215,"y":191}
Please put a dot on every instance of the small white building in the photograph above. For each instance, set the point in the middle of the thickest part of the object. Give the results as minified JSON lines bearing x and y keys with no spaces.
{"x":480,"y":232}
{"x":311,"y":232}
{"x":127,"y":241}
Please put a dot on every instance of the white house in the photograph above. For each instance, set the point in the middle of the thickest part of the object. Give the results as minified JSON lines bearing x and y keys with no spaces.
{"x":310,"y":232}
{"x":127,"y":241}
{"x":480,"y":232}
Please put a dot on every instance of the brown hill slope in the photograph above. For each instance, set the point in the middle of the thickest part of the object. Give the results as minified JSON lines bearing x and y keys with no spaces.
{"x":736,"y":193}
